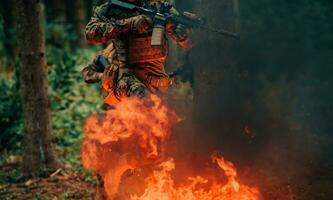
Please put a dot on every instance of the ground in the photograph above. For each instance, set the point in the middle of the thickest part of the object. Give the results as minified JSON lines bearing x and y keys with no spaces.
{"x":60,"y":185}
{"x":68,"y":184}
{"x":280,"y":174}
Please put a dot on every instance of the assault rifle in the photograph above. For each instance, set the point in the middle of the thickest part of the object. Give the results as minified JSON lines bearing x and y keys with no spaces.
{"x":162,"y":16}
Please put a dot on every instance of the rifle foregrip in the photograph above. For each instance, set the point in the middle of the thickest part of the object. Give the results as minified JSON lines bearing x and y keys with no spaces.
{"x":158,"y":35}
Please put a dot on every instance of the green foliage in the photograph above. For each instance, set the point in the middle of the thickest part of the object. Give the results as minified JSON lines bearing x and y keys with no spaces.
{"x":7,"y":44}
{"x":59,"y":35}
{"x":10,"y":113}
{"x":71,"y":99}
{"x":11,"y":127}
{"x":3,"y":59}
{"x":2,"y":33}
{"x":38,"y":196}
{"x":66,"y":195}
{"x":11,"y":176}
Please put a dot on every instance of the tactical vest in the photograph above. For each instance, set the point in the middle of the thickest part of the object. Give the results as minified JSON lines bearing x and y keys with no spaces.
{"x":140,"y":49}
{"x":137,"y":48}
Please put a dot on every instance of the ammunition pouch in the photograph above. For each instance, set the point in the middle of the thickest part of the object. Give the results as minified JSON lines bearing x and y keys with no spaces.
{"x":159,"y":82}
{"x":140,"y":50}
{"x":154,"y":82}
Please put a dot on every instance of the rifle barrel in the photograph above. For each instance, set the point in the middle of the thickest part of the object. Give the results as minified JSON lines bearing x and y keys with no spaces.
{"x":223,"y":32}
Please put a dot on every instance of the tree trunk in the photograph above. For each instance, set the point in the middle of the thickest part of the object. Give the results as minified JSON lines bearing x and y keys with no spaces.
{"x":38,"y":151}
{"x":184,"y":5}
{"x":76,"y":15}
{"x":237,"y":15}
{"x":215,"y":70}
{"x":89,"y":8}
{"x":55,"y":10}
{"x":177,"y":57}
{"x":6,"y":10}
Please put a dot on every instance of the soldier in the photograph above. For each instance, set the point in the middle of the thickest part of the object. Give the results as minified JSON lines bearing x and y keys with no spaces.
{"x":136,"y":67}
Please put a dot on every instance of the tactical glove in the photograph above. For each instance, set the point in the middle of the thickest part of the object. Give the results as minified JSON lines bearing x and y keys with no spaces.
{"x":137,"y":24}
{"x":182,"y":32}
{"x":101,"y":11}
{"x":91,"y":73}
{"x":129,"y":85}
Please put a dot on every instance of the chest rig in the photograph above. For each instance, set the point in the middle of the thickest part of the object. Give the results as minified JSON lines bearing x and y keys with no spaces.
{"x":132,"y":48}
{"x":140,"y":49}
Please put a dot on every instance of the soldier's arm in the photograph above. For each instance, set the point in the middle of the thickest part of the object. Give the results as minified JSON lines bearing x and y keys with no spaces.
{"x":179,"y":33}
{"x":102,"y":28}
{"x":91,"y":74}
{"x":94,"y":72}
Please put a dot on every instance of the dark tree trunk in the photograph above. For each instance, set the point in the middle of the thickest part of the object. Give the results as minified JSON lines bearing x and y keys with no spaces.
{"x":55,"y":10}
{"x":77,"y":16}
{"x":184,"y":5}
{"x":216,"y":75}
{"x":38,"y":151}
{"x":6,"y":10}
{"x":213,"y":58}
{"x":237,"y":15}
{"x":89,"y":8}
{"x":178,"y":58}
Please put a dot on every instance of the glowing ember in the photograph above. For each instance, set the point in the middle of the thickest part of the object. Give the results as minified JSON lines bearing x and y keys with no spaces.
{"x":125,"y":147}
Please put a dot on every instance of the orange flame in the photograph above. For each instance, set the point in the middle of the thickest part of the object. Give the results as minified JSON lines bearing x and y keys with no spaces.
{"x":161,"y":186}
{"x":131,"y":139}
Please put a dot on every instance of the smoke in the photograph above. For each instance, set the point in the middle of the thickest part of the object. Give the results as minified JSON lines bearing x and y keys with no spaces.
{"x":263,"y":101}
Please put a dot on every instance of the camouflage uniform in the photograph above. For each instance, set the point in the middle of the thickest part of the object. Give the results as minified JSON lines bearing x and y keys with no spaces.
{"x":135,"y":64}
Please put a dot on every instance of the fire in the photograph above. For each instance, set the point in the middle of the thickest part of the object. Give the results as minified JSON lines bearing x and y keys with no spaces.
{"x":126,"y":147}
{"x":161,"y":186}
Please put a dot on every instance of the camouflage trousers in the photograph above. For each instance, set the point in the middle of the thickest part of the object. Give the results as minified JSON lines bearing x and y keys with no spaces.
{"x":127,"y":86}
{"x":133,"y":86}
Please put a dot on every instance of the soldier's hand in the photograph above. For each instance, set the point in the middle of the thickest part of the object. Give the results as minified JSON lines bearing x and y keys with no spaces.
{"x":128,"y":85}
{"x":122,"y":82}
{"x":142,"y":23}
{"x":121,"y":87}
{"x":138,"y":24}
{"x":182,"y":32}
{"x":101,"y":11}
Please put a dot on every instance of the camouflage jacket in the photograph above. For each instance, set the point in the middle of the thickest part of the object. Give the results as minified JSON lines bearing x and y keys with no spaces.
{"x":93,"y":72}
{"x":109,"y":27}
{"x":104,"y":26}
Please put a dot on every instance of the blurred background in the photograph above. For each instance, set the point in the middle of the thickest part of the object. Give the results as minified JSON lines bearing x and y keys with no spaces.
{"x":265,"y":101}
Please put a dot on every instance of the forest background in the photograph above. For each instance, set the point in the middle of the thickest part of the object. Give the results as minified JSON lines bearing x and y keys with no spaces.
{"x":268,"y":95}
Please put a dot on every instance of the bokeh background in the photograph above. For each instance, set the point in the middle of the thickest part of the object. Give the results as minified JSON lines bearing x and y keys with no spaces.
{"x":265,"y":101}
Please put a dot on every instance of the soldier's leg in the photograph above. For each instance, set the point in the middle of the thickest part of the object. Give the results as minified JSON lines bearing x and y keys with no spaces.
{"x":136,"y":88}
{"x":133,"y":86}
